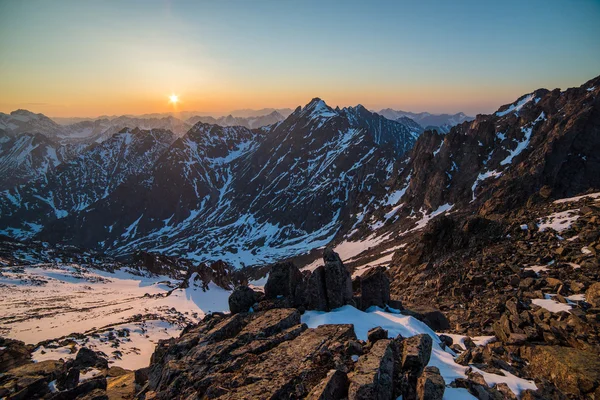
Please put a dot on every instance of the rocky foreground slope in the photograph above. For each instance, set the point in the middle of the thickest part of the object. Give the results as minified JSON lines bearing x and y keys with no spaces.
{"x":321,"y":335}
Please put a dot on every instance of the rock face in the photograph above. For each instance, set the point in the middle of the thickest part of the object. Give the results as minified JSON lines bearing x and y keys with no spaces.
{"x":316,"y":294}
{"x":333,"y":387}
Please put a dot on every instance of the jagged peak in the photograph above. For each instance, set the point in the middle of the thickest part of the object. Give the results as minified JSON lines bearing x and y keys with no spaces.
{"x":317,"y":108}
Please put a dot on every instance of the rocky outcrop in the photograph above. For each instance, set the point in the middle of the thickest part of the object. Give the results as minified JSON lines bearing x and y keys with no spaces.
{"x":248,"y":355}
{"x":271,"y":354}
{"x":327,"y":287}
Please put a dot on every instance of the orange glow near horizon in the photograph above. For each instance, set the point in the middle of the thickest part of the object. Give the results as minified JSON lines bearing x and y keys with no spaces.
{"x":221,"y":99}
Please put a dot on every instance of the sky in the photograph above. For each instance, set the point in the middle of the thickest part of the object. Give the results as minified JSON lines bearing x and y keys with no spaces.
{"x":90,"y":58}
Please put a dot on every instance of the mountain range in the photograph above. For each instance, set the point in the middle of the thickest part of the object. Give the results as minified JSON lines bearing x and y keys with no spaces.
{"x":332,"y":254}
{"x":428,"y":120}
{"x":319,"y":176}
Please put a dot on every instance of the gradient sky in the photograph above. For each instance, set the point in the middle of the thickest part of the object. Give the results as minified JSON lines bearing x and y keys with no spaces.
{"x":88,"y":58}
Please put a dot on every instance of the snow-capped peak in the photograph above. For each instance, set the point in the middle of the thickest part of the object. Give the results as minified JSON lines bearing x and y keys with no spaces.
{"x":317,"y":108}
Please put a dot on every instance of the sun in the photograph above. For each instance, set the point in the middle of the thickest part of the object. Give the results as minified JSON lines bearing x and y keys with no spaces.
{"x":173,"y":98}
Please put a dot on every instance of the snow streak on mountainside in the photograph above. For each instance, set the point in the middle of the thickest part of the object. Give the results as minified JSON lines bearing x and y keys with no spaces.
{"x":247,"y":196}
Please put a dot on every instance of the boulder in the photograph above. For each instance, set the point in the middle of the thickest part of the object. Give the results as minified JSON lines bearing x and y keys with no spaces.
{"x":373,"y":374}
{"x":430,"y":385}
{"x":447,"y":340}
{"x":87,"y":358}
{"x":592,"y":295}
{"x":241,"y":299}
{"x":433,"y":317}
{"x":69,"y":380}
{"x":91,"y":389}
{"x":375,"y":288}
{"x":338,"y":283}
{"x":376,"y":334}
{"x":416,"y":351}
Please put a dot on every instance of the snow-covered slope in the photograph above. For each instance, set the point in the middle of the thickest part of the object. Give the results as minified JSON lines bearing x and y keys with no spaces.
{"x":122,"y":313}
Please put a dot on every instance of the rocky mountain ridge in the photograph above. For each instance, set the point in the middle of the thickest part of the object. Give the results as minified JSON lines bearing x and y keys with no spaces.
{"x":317,"y":158}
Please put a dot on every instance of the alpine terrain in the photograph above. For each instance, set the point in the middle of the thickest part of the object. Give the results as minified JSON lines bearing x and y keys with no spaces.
{"x":328,"y":253}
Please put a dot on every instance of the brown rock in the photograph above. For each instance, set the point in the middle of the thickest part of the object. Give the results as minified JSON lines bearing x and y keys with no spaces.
{"x":373,"y":374}
{"x":121,"y":387}
{"x":416,"y":352}
{"x":13,"y":355}
{"x":333,"y":387}
{"x":430,"y":385}
{"x":592,"y":295}
{"x":575,"y":372}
